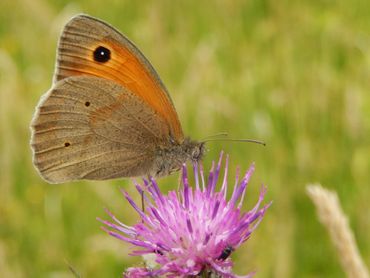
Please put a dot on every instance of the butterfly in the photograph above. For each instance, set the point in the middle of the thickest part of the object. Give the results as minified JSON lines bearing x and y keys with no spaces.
{"x":107,"y":115}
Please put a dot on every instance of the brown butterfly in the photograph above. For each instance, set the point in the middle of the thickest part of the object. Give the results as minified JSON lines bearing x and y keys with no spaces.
{"x":108,"y":114}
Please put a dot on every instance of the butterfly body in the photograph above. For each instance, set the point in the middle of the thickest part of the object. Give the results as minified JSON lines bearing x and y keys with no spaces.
{"x":108,"y":114}
{"x":171,"y":157}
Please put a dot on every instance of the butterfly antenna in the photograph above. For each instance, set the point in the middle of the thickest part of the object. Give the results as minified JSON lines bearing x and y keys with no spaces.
{"x":236,"y":140}
{"x":214,"y":136}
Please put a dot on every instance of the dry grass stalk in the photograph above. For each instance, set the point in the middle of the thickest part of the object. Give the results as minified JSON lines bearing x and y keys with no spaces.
{"x":331,"y":215}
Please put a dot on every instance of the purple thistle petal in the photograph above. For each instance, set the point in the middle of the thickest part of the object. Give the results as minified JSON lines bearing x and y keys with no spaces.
{"x":224,"y":183}
{"x":135,"y":272}
{"x":136,"y":242}
{"x":156,"y":190}
{"x":117,"y":221}
{"x":218,"y":169}
{"x":119,"y":228}
{"x":196,"y":176}
{"x":164,"y":247}
{"x":215,"y":209}
{"x":132,"y":203}
{"x":186,"y":186}
{"x":201,"y":170}
{"x":210,"y":179}
{"x":208,"y":236}
{"x":239,"y":190}
{"x":141,"y":191}
{"x":237,"y":174}
{"x":260,"y":199}
{"x":190,"y":230}
{"x":155,"y":212}
{"x":246,"y":178}
{"x":224,"y":272}
{"x":150,"y":189}
{"x":216,"y":172}
{"x":146,"y":183}
{"x":188,"y":223}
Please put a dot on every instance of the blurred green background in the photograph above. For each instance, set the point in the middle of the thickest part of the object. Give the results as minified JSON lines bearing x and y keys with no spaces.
{"x":295,"y":74}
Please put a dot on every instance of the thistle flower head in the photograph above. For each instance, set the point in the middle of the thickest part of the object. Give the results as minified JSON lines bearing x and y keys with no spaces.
{"x":192,"y":231}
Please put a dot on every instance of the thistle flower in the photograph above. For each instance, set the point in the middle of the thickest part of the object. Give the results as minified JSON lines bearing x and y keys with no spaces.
{"x":191,"y":232}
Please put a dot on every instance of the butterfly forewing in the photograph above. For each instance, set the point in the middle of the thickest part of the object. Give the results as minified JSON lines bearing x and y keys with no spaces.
{"x":89,"y":46}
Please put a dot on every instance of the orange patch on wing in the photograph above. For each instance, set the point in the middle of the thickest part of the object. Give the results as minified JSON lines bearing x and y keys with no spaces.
{"x":127,"y":70}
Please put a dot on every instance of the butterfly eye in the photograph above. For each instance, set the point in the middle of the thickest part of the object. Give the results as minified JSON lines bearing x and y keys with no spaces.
{"x":101,"y":54}
{"x":195,"y":153}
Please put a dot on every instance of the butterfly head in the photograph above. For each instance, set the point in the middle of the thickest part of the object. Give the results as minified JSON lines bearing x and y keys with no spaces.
{"x":194,"y":149}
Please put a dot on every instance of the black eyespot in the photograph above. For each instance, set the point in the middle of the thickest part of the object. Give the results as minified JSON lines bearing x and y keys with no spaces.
{"x":67,"y":144}
{"x":87,"y":103}
{"x":101,"y":54}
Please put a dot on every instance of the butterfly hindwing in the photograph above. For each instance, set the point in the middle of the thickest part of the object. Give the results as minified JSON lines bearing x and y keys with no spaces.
{"x":87,"y":127}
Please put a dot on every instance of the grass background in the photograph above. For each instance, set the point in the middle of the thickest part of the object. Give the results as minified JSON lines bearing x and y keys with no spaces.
{"x":292,"y":73}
